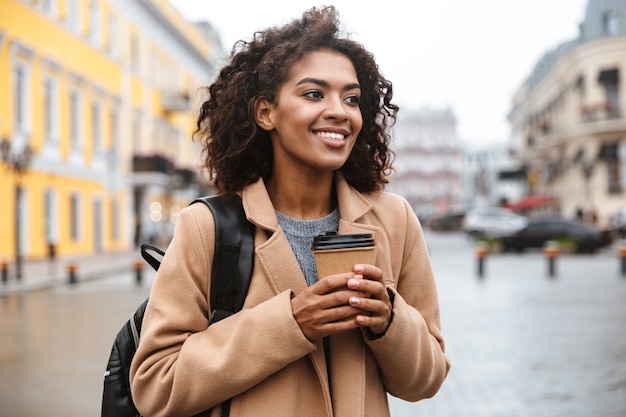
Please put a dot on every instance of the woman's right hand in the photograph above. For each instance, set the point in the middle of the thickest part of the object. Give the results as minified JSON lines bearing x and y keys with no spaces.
{"x":324,"y":309}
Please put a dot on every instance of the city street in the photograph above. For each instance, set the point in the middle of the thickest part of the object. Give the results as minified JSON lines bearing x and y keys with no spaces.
{"x":522,"y":343}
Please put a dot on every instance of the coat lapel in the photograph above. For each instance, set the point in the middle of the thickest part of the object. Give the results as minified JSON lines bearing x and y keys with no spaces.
{"x":283,"y":272}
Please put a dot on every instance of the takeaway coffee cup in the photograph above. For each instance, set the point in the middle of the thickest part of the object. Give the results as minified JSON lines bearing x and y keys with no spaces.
{"x":335,"y":253}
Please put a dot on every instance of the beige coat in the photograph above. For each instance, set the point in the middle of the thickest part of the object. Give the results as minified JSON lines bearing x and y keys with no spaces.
{"x":259,"y":356}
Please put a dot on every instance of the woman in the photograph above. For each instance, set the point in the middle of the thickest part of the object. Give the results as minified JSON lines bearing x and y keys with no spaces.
{"x":297,"y":125}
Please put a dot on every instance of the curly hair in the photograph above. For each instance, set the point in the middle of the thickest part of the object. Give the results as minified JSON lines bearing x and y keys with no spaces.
{"x":237,"y":152}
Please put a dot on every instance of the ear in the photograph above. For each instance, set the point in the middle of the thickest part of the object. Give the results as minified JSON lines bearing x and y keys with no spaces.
{"x":263,"y":114}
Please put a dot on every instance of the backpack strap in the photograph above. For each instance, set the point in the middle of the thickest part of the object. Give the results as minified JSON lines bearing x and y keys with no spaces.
{"x":233,"y":257}
{"x":233,"y":260}
{"x":153,"y":260}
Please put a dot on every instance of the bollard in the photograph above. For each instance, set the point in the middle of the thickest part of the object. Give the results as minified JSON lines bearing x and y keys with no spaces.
{"x":71,"y":272}
{"x":482,"y":250}
{"x":138,"y":266}
{"x":5,"y":272}
{"x":622,"y":255}
{"x":551,"y":250}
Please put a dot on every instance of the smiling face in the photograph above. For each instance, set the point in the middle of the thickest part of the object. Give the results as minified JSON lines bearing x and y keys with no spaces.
{"x":315,"y":119}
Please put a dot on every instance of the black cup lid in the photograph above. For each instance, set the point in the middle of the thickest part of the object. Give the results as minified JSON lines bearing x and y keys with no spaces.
{"x":333,"y":240}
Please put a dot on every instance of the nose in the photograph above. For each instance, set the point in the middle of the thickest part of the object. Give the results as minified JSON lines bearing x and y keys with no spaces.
{"x":335,"y":109}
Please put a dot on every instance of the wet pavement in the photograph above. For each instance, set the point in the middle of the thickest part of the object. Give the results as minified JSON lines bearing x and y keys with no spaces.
{"x":522,"y":344}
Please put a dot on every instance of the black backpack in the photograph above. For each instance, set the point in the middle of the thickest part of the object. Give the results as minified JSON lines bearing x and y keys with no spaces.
{"x":231,"y":273}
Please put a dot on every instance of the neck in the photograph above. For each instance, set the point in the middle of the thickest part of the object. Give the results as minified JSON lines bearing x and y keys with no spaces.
{"x":303,"y":197}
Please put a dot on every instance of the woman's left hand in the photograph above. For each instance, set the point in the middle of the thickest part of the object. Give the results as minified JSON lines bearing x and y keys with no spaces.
{"x":377,"y":307}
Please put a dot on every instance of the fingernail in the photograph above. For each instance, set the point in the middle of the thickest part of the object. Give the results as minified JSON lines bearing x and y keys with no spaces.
{"x":353,"y":283}
{"x":355,"y":301}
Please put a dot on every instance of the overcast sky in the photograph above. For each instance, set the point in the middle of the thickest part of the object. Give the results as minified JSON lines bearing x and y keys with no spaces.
{"x":470,"y":55}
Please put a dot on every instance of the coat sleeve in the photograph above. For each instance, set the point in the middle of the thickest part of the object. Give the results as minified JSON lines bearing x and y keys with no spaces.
{"x":182,"y":366}
{"x":411,"y":354}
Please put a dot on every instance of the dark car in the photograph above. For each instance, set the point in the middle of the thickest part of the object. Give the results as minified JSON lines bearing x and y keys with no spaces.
{"x":570,"y":235}
{"x":446,"y":222}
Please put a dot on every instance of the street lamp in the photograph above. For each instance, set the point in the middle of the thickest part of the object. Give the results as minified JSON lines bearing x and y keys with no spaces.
{"x":17,"y":162}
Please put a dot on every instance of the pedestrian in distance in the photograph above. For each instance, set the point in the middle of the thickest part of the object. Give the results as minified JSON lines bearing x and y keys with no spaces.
{"x":298,"y":124}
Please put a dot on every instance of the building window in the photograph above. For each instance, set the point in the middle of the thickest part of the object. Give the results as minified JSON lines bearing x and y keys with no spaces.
{"x":75,"y":121}
{"x":96,"y":130}
{"x":94,"y":23}
{"x":613,"y":176}
{"x":19,"y":93}
{"x":134,"y":52}
{"x":610,"y":23}
{"x":72,"y":15}
{"x":51,"y":213}
{"x":74,"y":217}
{"x":47,"y":7}
{"x":51,"y":111}
{"x":115,"y":219}
{"x":114,"y":129}
{"x":609,"y":153}
{"x":609,"y":79}
{"x":112,"y":34}
{"x":19,"y":98}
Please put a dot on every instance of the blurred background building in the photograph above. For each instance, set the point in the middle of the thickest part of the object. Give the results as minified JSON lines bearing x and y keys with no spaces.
{"x":428,"y":160}
{"x":98,"y":101}
{"x":567,"y":118}
{"x":567,"y":149}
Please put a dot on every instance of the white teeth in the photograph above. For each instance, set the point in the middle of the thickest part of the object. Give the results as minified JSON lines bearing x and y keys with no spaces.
{"x":329,"y":135}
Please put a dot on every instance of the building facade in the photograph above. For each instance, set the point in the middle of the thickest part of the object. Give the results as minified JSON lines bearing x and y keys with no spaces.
{"x":97,"y":105}
{"x":428,"y":160}
{"x":490,"y":176}
{"x":568,"y":122}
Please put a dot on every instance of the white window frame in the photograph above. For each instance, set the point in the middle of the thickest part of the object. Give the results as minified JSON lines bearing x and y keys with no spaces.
{"x":112,"y":44}
{"x":76,"y":215}
{"x":95,"y":29}
{"x":72,"y":15}
{"x":48,"y":7}
{"x":51,"y":101}
{"x":96,"y":126}
{"x":51,"y":216}
{"x":75,"y":104}
{"x":21,"y":63}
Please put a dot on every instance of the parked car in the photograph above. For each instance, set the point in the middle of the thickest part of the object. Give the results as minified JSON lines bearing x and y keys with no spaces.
{"x":447,"y":222}
{"x":570,"y":234}
{"x":492,"y":222}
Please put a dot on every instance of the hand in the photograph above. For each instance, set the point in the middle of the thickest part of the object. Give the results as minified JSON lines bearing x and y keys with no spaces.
{"x":376,"y":307}
{"x":342,"y":302}
{"x":324,"y":307}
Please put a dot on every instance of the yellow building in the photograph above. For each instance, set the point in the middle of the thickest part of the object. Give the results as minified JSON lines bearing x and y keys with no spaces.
{"x":568,"y":120}
{"x":97,"y":106}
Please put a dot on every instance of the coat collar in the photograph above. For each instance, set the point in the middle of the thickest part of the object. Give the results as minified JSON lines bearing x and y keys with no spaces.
{"x":260,"y":211}
{"x":283,"y":273}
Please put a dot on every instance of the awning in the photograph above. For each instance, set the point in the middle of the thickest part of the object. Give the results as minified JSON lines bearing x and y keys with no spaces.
{"x":533,"y":201}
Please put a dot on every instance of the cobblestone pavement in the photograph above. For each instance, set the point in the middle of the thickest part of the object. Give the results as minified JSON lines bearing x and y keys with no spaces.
{"x":522,"y":344}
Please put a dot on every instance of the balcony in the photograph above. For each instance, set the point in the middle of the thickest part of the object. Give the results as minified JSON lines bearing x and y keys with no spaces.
{"x":603,"y":110}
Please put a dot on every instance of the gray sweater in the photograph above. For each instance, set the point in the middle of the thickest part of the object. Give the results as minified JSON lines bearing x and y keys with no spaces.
{"x":300,"y":234}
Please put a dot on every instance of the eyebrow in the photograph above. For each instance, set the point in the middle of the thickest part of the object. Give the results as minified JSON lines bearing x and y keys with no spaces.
{"x":323,"y":83}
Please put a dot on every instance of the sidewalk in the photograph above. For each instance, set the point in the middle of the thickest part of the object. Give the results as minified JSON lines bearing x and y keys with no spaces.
{"x":42,"y":274}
